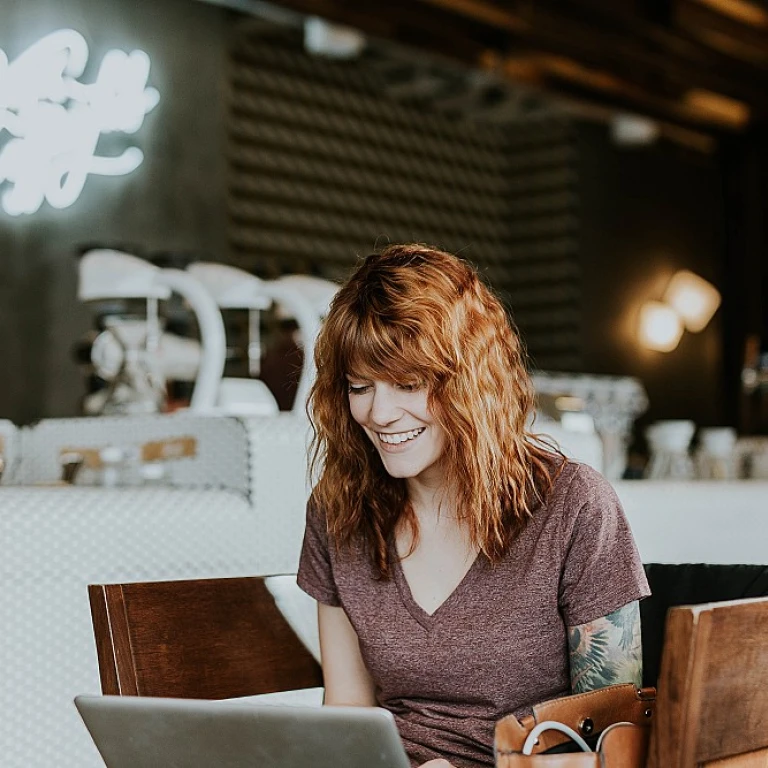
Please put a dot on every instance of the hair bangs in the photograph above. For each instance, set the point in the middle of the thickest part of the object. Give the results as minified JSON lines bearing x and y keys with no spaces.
{"x":376,"y":349}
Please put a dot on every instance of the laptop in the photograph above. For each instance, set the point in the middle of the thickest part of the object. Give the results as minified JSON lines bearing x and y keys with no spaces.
{"x":148,"y":732}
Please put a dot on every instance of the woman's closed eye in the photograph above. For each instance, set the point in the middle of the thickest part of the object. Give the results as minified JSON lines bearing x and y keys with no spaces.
{"x":359,"y":388}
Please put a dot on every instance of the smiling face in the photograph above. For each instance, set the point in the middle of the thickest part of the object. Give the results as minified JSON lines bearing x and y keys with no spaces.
{"x":398,"y":421}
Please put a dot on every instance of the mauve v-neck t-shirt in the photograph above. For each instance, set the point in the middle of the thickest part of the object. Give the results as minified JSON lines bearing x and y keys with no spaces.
{"x":498,"y":644}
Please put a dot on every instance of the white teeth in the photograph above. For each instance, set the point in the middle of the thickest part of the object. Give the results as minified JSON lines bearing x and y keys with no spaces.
{"x":400,"y":437}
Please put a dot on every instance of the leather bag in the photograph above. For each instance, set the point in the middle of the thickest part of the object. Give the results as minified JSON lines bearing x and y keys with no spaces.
{"x":620,"y":715}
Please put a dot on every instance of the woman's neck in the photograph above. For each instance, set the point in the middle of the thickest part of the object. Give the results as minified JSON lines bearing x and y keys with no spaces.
{"x":431,"y":503}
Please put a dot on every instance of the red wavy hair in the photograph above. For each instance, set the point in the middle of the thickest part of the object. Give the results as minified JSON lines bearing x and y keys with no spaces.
{"x":416,"y":312}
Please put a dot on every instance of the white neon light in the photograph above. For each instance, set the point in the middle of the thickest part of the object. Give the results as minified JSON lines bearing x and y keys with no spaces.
{"x":55,"y":121}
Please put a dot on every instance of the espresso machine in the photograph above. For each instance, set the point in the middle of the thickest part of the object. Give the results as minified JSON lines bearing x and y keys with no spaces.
{"x":132,"y":353}
{"x":137,"y":357}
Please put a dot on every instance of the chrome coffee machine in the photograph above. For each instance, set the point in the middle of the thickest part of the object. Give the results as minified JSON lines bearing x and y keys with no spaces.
{"x":132,"y":352}
{"x":139,"y":360}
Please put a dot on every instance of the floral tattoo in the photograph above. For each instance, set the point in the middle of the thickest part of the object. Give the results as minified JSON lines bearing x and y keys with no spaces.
{"x":607,"y":651}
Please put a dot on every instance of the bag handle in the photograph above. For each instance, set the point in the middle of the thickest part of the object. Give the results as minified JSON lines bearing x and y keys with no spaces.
{"x":552,"y":725}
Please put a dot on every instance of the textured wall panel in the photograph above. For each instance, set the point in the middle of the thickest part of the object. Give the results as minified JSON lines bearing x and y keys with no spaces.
{"x":325,"y":165}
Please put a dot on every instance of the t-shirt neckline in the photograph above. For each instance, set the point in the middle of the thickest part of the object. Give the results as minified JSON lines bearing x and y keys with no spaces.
{"x":428,"y":620}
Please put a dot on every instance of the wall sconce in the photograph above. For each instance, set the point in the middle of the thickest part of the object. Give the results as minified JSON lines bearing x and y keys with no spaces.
{"x":689,"y":302}
{"x":693,"y":298}
{"x":660,"y":326}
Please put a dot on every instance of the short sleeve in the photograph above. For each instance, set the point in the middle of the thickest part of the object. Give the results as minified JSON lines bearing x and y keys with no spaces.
{"x":315,"y":575}
{"x":602,"y":570}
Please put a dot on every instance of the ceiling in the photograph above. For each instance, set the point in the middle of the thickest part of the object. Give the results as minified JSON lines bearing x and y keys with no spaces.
{"x":700,"y":67}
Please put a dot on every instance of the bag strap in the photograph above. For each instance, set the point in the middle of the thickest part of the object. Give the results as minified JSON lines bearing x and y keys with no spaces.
{"x":572,"y":760}
{"x":587,"y":713}
{"x":624,"y":745}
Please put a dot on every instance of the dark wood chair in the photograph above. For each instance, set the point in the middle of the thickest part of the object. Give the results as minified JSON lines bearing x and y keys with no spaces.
{"x":712,"y":704}
{"x":690,"y":584}
{"x":206,"y":639}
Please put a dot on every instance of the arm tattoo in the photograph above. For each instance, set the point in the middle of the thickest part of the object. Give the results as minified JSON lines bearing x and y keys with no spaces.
{"x":607,"y":651}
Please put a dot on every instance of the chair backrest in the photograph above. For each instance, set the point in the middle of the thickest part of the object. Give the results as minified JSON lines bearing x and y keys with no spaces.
{"x":209,"y":639}
{"x":690,"y":584}
{"x":712,"y":705}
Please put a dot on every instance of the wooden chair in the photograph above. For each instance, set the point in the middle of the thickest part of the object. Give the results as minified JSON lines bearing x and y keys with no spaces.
{"x":712,"y":704}
{"x":207,"y":639}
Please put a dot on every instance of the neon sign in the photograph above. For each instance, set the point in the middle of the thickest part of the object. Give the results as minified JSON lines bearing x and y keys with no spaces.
{"x":54,"y":122}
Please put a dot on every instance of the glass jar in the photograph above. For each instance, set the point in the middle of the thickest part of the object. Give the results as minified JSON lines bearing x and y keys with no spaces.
{"x":669,"y":442}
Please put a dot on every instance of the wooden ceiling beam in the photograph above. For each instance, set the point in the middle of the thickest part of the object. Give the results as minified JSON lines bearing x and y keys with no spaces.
{"x":740,"y":41}
{"x":486,"y":12}
{"x":588,"y":31}
{"x":587,"y":45}
{"x":742,"y":11}
{"x":570,"y":79}
{"x":696,"y":140}
{"x":602,"y":35}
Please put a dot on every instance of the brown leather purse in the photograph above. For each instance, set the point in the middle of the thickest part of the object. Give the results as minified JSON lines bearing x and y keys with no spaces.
{"x":620,"y":715}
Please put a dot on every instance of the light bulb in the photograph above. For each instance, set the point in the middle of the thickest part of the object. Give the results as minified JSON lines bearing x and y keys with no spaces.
{"x":660,"y":326}
{"x":693,"y":298}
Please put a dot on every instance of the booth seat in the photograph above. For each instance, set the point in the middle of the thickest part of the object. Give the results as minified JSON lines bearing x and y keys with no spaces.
{"x":53,"y":543}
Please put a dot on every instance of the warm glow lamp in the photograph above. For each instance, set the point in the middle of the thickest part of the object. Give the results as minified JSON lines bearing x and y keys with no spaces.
{"x":693,"y":298}
{"x":660,"y":326}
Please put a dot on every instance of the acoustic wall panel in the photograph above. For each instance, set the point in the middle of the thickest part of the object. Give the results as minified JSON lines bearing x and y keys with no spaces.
{"x":327,"y":165}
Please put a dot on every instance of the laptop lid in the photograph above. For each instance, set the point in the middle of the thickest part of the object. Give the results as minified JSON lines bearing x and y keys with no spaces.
{"x":148,"y":732}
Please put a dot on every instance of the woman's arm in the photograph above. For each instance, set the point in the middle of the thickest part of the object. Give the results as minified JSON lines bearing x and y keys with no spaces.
{"x":607,"y":651}
{"x":347,"y":681}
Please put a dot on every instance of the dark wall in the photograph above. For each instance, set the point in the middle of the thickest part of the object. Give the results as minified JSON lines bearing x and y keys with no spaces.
{"x":745,"y":308}
{"x":646,"y":213}
{"x":173,"y":202}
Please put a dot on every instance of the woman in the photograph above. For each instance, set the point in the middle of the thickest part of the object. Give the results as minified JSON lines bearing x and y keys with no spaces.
{"x":463,"y":569}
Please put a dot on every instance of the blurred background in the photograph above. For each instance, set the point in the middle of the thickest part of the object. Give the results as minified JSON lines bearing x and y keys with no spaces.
{"x":580,"y":153}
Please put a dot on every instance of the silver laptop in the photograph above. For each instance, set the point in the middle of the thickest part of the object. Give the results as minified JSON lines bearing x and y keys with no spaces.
{"x":146,"y":732}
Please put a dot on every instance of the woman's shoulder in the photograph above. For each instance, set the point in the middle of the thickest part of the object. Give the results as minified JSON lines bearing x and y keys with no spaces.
{"x":579,"y":484}
{"x":575,"y":477}
{"x":319,"y":528}
{"x":584,"y":505}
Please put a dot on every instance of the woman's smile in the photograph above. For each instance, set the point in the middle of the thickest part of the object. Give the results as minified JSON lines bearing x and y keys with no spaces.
{"x":398,"y":421}
{"x":394,"y":439}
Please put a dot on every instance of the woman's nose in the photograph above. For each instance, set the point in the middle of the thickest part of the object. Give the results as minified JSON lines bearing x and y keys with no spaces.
{"x":384,"y":407}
